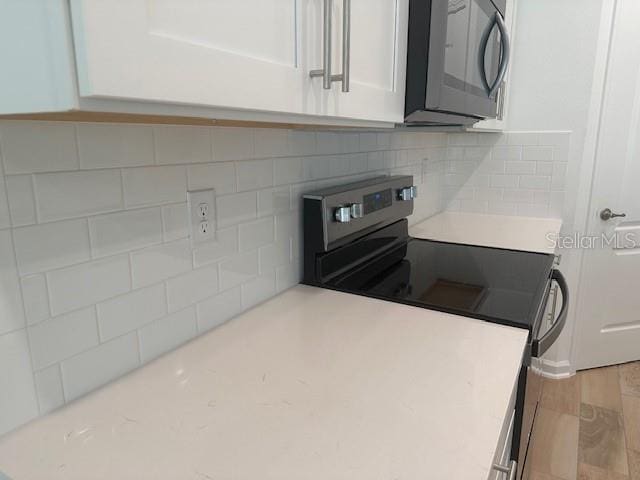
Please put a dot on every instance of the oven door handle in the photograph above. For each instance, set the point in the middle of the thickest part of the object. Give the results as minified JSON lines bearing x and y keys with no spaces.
{"x":540,"y":346}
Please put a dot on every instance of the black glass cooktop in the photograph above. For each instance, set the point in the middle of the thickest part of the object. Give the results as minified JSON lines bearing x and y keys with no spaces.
{"x":503,"y":286}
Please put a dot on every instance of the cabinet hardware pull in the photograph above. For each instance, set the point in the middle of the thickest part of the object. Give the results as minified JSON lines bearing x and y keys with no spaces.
{"x":346,"y":44}
{"x":510,"y":471}
{"x":325,"y":71}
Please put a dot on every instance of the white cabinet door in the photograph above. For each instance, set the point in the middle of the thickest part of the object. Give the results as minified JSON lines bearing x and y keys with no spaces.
{"x":225,"y":53}
{"x":378,"y":54}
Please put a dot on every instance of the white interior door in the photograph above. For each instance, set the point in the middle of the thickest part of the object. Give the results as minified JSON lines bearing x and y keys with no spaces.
{"x":226,"y":53}
{"x":608,"y":314}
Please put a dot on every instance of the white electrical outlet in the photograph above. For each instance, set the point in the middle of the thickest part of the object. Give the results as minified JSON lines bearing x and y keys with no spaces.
{"x":202,"y":216}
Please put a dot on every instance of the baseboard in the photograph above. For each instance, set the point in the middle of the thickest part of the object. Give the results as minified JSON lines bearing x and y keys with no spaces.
{"x":551,"y":369}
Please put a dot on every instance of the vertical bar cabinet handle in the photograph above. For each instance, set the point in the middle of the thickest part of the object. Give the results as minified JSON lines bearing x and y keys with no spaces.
{"x":346,"y":44}
{"x":325,"y":72}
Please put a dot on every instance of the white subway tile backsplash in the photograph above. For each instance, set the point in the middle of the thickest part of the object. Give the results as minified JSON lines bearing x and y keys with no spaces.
{"x":287,"y":170}
{"x":302,"y":143}
{"x":11,"y":310}
{"x":124,"y":231}
{"x":537,"y":153}
{"x":36,"y":298}
{"x":51,"y":245}
{"x":182,"y":144}
{"x":256,"y":234}
{"x":88,"y":283}
{"x":506,"y":181}
{"x":287,"y":276}
{"x":536,"y":182}
{"x":49,"y":388}
{"x":219,"y":176}
{"x":520,"y":163}
{"x":236,"y":208}
{"x":100,"y":365}
{"x":103,"y":145}
{"x":254,"y":174}
{"x":238,"y":269}
{"x":62,"y":337}
{"x":122,"y":222}
{"x":544,"y":168}
{"x":154,"y":185}
{"x":154,"y":264}
{"x":315,"y":168}
{"x":275,"y":255}
{"x":192,"y":287}
{"x":128,"y":312}
{"x":77,"y":194}
{"x":520,"y":167}
{"x":259,"y":289}
{"x":502,"y":208}
{"x":175,"y":222}
{"x":558,"y":177}
{"x":271,"y":142}
{"x":217,"y":310}
{"x":274,"y":200}
{"x":226,"y":244}
{"x":231,"y":143}
{"x":167,"y":333}
{"x":556,"y":204}
{"x":22,"y":205}
{"x":512,"y":153}
{"x":18,"y":402}
{"x":463,"y":139}
{"x":514,"y":195}
{"x":5,"y":217}
{"x":29,"y":147}
{"x":329,"y":143}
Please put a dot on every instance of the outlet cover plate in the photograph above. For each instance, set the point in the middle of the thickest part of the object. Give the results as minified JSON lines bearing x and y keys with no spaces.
{"x":195,"y":199}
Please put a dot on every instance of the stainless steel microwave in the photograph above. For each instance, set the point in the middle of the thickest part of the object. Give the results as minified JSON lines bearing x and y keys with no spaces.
{"x":458,"y":54}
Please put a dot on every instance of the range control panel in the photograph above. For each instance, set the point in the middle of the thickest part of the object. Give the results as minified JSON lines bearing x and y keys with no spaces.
{"x":373,"y":202}
{"x":377,"y":200}
{"x":344,"y":211}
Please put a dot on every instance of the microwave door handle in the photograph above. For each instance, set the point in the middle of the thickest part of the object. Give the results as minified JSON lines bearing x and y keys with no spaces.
{"x":540,"y":346}
{"x":484,"y":40}
{"x":506,"y":54}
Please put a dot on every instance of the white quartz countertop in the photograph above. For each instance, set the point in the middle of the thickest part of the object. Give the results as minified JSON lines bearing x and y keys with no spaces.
{"x":313,"y":384}
{"x":502,"y":231}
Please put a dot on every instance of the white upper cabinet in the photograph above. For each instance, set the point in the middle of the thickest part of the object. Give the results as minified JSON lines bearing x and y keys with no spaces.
{"x":251,"y":55}
{"x":247,"y":60}
{"x":223,"y":53}
{"x":376,"y":55}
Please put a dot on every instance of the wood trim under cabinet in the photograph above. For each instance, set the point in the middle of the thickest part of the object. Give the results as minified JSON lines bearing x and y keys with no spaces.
{"x":110,"y":117}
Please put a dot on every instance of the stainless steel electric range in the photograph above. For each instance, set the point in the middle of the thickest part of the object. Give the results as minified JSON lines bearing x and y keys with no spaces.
{"x":356,"y":240}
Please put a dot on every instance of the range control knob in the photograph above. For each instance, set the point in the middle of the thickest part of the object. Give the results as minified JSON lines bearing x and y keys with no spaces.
{"x":342,"y":214}
{"x":407,"y":193}
{"x":357,"y":210}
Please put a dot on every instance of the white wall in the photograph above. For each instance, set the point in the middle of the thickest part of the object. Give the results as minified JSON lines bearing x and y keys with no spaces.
{"x":551,"y":79}
{"x":97,"y":274}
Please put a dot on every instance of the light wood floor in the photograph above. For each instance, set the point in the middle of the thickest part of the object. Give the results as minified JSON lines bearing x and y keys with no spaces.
{"x":588,"y":427}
